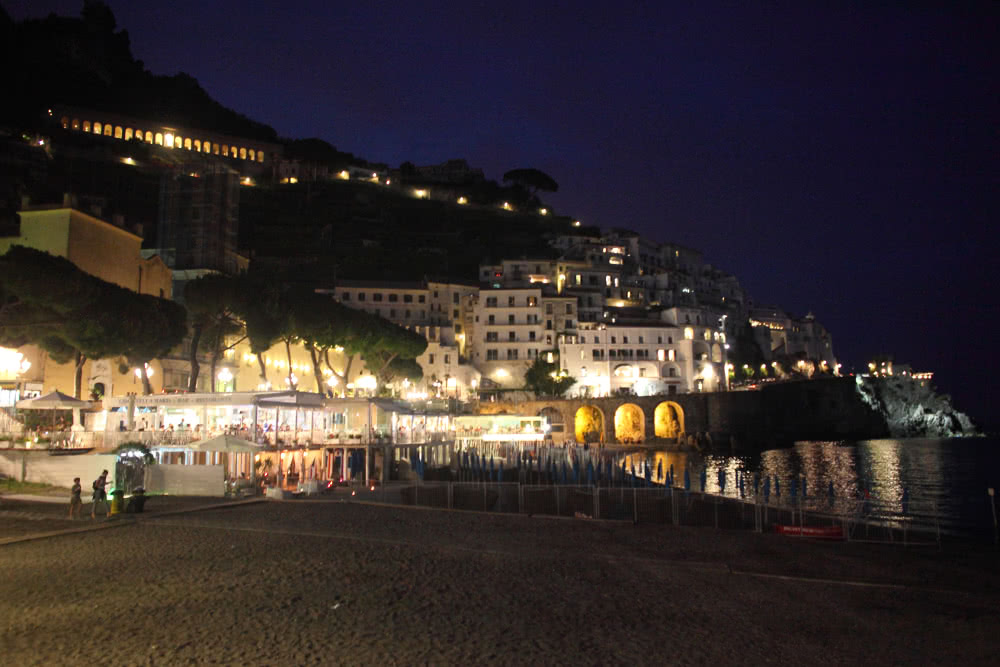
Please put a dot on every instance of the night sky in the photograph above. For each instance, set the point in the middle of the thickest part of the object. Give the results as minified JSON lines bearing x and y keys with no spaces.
{"x":841,"y":161}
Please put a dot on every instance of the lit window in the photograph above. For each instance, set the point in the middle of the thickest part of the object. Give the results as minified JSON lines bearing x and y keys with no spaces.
{"x":225,"y":151}
{"x":661,"y":355}
{"x":76,"y":124}
{"x":108,"y":131}
{"x":149,"y":137}
{"x":253,"y":154}
{"x":86,"y":126}
{"x":97,"y":128}
{"x":671,"y":355}
{"x":159,"y":139}
{"x":688,"y":333}
{"x":128,"y":133}
{"x":197,"y":145}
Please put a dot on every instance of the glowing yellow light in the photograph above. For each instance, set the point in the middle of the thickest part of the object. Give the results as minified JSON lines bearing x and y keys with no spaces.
{"x":332,"y":381}
{"x":576,"y":223}
{"x":507,"y":207}
{"x":293,"y":180}
{"x":502,"y":373}
{"x":12,"y":362}
{"x":149,"y":371}
{"x":344,"y":175}
{"x":421,"y":194}
{"x":463,"y":200}
{"x":543,"y":211}
{"x":367,"y":382}
{"x":128,"y":160}
{"x":225,"y":375}
{"x":168,"y":140}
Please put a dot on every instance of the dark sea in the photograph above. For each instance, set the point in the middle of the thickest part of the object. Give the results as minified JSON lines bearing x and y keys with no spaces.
{"x":941,"y":482}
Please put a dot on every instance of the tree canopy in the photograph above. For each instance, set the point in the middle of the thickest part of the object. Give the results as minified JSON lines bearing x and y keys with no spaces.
{"x":534,"y":179}
{"x":545,"y":379}
{"x":47,"y":301}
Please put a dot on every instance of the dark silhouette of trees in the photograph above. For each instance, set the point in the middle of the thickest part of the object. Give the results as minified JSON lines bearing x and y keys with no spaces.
{"x":74,"y":316}
{"x":545,"y":379}
{"x":532,"y":179}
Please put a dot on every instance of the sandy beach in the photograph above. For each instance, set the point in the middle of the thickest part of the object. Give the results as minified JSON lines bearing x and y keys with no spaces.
{"x":327,"y":582}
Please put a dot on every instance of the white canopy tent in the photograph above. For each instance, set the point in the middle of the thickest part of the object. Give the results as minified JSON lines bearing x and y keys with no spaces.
{"x":55,"y":401}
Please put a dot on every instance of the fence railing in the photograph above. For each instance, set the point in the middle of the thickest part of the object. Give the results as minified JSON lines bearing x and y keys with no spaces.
{"x":866,"y":520}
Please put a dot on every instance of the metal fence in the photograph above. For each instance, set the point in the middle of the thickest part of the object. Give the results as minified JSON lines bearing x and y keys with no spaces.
{"x":864,"y":521}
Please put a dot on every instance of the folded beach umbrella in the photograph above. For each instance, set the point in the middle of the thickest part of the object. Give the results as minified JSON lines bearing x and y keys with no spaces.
{"x":687,"y":480}
{"x":493,"y":471}
{"x":590,"y":473}
{"x":649,"y":473}
{"x":500,"y":473}
{"x":829,"y":492}
{"x":704,"y":479}
{"x":767,"y":488}
{"x":777,"y":486}
{"x":671,"y":474}
{"x":564,"y":471}
{"x":739,"y":479}
{"x":793,"y":489}
{"x":722,"y":480}
{"x":659,"y":470}
{"x":576,"y":471}
{"x":756,"y":483}
{"x":803,"y":488}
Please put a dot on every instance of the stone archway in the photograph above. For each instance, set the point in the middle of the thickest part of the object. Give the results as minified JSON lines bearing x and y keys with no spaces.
{"x":589,"y":424}
{"x":555,"y":419}
{"x":668,"y":420}
{"x":630,"y":424}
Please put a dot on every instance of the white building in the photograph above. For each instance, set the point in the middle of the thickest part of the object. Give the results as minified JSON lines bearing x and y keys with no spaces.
{"x":646,"y":359}
{"x":441,"y":312}
{"x":513,"y":326}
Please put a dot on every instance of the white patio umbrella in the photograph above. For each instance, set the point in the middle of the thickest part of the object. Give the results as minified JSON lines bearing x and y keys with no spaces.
{"x":54,"y":401}
{"x":227,"y":444}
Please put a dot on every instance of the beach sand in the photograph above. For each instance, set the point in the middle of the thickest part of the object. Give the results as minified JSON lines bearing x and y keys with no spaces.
{"x":302,"y":582}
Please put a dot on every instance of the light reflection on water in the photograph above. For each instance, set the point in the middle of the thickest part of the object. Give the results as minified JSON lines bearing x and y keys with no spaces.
{"x":946,"y":480}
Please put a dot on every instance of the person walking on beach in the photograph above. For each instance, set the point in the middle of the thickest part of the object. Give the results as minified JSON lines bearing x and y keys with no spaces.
{"x":100,"y":496}
{"x":75,"y":503}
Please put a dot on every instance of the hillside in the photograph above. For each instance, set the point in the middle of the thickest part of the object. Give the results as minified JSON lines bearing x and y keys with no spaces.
{"x":359,"y":230}
{"x":86,"y":62}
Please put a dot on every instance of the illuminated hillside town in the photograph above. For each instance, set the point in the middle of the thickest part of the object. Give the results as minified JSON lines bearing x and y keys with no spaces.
{"x":646,"y":317}
{"x":619,"y":314}
{"x":404,"y":334}
{"x":180,"y":280}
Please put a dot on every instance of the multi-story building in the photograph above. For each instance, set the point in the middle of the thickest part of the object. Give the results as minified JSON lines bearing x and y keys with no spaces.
{"x":644,"y":358}
{"x":439,"y":311}
{"x":780,"y":335}
{"x":514,"y":326}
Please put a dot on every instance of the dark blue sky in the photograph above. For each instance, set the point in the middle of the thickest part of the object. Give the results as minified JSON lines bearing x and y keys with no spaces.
{"x":842,"y":160}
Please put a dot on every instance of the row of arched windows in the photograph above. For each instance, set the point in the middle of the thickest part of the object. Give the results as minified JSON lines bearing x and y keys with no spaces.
{"x":164,"y":139}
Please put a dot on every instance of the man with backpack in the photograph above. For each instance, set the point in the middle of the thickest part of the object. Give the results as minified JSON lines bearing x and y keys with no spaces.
{"x":100,"y":496}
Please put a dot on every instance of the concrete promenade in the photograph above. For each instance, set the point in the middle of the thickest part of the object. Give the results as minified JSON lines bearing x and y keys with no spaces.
{"x":321,"y":582}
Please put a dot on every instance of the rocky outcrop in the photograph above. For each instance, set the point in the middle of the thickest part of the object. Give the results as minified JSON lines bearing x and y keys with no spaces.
{"x":913,"y":409}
